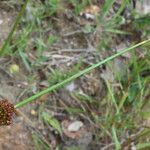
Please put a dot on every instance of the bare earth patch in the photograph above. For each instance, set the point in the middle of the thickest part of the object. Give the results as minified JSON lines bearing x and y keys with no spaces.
{"x":16,"y":136}
{"x":6,"y":21}
{"x":75,"y":42}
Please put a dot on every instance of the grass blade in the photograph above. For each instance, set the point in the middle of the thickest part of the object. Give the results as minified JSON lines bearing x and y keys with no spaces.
{"x":52,"y":121}
{"x":13,"y":28}
{"x":64,"y":82}
{"x":108,"y":4}
{"x":117,"y":143}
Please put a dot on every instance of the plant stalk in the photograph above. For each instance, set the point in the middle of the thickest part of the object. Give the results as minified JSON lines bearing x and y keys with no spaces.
{"x":58,"y":85}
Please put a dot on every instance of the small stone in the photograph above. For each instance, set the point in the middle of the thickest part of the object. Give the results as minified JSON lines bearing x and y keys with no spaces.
{"x":71,"y":87}
{"x":1,"y":21}
{"x":75,"y":126}
{"x":33,"y":112}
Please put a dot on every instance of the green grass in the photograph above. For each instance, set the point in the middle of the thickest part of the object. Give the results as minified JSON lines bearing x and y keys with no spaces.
{"x":3,"y":49}
{"x":123,"y":108}
{"x":39,"y":143}
{"x":64,"y":82}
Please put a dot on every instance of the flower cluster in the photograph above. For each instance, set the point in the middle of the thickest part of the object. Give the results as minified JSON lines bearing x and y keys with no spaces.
{"x":6,"y":112}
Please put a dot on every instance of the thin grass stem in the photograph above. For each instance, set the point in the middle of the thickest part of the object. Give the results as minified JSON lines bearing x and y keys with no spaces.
{"x":58,"y":85}
{"x":3,"y":49}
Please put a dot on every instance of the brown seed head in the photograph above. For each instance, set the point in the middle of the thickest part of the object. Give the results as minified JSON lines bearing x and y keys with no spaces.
{"x":6,"y":112}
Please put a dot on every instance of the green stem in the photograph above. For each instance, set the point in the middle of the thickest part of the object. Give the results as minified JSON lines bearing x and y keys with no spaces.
{"x":13,"y":28}
{"x":58,"y":85}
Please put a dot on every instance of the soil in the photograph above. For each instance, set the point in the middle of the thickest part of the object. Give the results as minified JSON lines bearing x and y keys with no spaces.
{"x":16,"y":136}
{"x":6,"y":21}
{"x":73,"y":45}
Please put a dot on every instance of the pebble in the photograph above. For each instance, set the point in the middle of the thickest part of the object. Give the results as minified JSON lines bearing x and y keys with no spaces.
{"x":75,"y":126}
